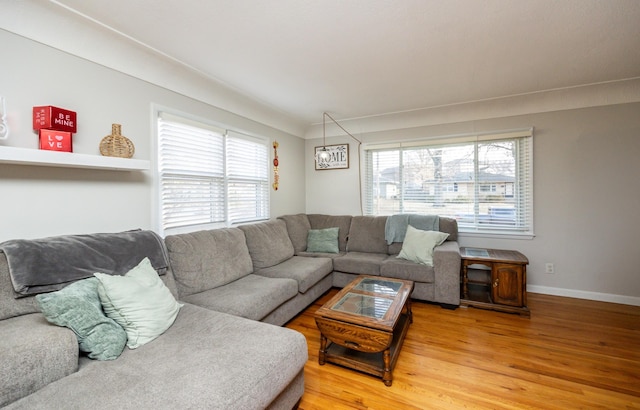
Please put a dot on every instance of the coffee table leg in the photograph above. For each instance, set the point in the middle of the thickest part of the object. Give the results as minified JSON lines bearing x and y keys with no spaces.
{"x":387,"y":378}
{"x":323,"y":349}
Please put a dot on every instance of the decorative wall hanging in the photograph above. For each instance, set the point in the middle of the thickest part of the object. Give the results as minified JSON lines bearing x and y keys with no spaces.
{"x":276,"y":163}
{"x":116,"y":144}
{"x":332,"y":157}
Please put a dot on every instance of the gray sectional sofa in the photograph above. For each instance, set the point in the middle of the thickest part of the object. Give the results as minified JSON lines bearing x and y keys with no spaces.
{"x":206,"y":359}
{"x":363,"y":249}
{"x":222,"y":350}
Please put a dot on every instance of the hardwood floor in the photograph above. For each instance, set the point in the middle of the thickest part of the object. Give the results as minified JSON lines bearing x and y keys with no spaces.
{"x":570,"y":354}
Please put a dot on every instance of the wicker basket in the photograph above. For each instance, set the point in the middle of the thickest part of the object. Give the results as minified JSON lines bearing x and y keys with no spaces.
{"x":116,"y":145}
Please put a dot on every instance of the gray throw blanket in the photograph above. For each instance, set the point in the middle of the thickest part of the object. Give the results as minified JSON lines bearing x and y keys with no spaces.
{"x":395,"y":228}
{"x":49,"y":264}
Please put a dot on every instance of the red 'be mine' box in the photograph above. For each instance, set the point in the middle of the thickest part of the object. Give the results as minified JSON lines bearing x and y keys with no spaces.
{"x":53,"y":140}
{"x":54,"y":118}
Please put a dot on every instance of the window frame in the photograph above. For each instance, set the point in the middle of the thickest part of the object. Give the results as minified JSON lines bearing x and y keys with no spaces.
{"x":520,"y":191}
{"x":261,"y":179}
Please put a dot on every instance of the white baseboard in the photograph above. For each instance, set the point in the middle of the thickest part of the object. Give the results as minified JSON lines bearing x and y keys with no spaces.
{"x":581,"y":294}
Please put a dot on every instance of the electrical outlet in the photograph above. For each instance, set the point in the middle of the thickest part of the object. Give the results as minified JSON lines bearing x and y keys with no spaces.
{"x":549,"y":268}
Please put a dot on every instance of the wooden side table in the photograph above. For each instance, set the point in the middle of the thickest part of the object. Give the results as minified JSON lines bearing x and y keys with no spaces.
{"x":494,"y":279}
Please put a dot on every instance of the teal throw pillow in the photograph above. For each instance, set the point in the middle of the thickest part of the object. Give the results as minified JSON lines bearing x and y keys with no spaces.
{"x":139,"y":301}
{"x":323,"y":240}
{"x":78,"y":307}
{"x":418,"y":245}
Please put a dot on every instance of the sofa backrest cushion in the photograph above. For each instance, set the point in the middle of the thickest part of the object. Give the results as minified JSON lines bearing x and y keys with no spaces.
{"x":208,"y":259}
{"x":366,"y":234}
{"x":268,"y":243}
{"x":450,"y":226}
{"x":343,"y":222}
{"x":298,"y":228}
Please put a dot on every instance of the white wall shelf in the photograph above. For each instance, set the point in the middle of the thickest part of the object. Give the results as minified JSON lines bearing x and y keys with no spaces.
{"x":37,"y":157}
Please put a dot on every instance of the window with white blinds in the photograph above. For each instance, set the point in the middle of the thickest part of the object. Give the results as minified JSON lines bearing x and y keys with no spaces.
{"x":208,"y":176}
{"x":485,"y":182}
{"x":247,"y":178}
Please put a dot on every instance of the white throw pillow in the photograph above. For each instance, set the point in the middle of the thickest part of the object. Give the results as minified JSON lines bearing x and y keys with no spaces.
{"x":139,"y":302}
{"x":418,"y":245}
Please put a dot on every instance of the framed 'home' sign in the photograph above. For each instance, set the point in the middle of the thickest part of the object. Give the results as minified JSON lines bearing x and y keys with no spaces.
{"x":338,"y":157}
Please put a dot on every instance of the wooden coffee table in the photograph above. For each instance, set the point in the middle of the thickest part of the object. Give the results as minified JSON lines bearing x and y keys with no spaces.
{"x":363,"y":326}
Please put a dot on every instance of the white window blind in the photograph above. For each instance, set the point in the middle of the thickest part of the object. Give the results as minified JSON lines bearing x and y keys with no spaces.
{"x":483,"y":181}
{"x":248,"y":178}
{"x":209,"y":176}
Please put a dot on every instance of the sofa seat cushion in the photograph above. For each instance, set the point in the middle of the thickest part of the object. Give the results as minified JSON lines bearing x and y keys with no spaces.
{"x":207,"y":259}
{"x":252,"y":296}
{"x":268,"y":243}
{"x":361,"y":263}
{"x":393,"y":267}
{"x":206,"y":360}
{"x":305,"y":271}
{"x":34,"y":353}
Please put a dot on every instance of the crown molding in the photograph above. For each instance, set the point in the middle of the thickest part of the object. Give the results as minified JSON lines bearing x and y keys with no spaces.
{"x":585,"y":96}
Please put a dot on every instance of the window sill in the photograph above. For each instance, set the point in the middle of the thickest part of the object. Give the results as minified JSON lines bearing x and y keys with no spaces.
{"x":496,"y":235}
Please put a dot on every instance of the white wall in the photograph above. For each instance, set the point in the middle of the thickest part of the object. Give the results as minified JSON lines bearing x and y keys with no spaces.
{"x":44,"y":201}
{"x":586,"y":196}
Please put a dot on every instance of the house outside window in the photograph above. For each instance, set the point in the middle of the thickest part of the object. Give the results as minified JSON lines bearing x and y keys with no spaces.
{"x":485,"y":182}
{"x":208,"y":176}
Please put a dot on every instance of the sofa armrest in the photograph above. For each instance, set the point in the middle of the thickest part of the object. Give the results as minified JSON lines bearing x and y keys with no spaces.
{"x":446,"y":266}
{"x":34,"y":353}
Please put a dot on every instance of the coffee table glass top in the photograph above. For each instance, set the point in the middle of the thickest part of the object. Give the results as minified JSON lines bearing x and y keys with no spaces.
{"x":363,"y":305}
{"x":371,"y":298}
{"x":385,"y":287}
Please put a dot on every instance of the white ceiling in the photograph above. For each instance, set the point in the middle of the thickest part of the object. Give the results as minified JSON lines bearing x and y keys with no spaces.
{"x":361,"y":58}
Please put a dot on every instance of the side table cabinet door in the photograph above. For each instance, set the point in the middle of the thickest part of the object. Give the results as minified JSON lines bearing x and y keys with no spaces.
{"x":507,"y":284}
